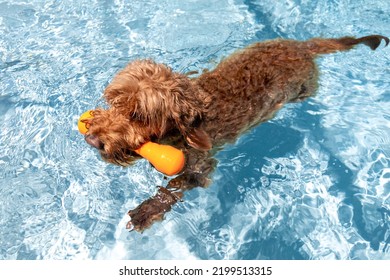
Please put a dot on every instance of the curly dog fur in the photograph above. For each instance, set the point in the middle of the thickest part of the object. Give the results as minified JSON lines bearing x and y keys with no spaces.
{"x":149,"y":102}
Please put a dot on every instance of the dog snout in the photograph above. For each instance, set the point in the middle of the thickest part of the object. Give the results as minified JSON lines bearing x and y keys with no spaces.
{"x":94,"y":141}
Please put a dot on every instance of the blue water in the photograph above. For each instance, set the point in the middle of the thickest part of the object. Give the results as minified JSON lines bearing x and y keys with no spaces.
{"x":313,"y":183}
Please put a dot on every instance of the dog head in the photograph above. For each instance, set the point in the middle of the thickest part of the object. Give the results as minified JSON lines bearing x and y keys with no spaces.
{"x":147,"y":101}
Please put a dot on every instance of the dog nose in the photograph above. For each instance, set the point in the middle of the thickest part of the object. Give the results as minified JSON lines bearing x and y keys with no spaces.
{"x":94,"y":141}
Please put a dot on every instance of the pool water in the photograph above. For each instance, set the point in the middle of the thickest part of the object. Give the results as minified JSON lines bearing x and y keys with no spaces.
{"x":312,"y":183}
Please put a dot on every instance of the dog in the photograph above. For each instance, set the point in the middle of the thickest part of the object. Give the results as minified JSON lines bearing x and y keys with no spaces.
{"x":147,"y":101}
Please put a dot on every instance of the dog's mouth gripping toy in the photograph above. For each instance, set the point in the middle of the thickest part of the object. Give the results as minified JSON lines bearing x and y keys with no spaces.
{"x":164,"y":158}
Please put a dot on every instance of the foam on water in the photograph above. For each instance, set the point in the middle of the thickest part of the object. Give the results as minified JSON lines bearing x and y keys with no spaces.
{"x":313,"y":183}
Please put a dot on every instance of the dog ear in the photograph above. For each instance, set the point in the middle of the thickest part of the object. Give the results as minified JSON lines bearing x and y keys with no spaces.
{"x":191,"y":128}
{"x":198,"y":139}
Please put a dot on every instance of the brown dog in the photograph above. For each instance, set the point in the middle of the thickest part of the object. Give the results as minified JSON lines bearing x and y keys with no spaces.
{"x":150,"y":102}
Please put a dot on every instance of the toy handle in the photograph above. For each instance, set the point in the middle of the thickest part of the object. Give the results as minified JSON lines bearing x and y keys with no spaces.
{"x":164,"y":158}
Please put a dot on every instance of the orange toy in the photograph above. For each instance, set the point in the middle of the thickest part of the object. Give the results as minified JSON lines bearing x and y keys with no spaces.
{"x":82,"y":126}
{"x":164,"y":158}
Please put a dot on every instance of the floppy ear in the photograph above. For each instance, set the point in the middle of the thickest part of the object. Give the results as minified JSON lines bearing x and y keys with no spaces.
{"x":199,"y":139}
{"x":167,"y":98}
{"x":187,"y":117}
{"x":187,"y":114}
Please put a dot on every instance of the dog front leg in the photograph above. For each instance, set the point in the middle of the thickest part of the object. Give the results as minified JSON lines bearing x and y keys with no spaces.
{"x":198,"y":169}
{"x":152,"y":209}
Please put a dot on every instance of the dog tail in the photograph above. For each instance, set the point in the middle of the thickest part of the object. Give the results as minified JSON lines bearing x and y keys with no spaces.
{"x":318,"y":46}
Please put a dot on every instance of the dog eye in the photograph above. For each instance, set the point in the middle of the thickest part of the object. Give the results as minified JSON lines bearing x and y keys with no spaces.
{"x":94,"y":141}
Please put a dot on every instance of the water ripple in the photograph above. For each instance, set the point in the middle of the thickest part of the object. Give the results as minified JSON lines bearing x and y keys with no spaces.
{"x":312,"y":183}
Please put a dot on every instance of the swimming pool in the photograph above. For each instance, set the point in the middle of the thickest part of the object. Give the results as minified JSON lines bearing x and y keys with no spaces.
{"x":313,"y":183}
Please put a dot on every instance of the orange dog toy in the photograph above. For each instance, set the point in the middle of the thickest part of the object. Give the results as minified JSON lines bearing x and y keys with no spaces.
{"x":164,"y":158}
{"x":81,"y":125}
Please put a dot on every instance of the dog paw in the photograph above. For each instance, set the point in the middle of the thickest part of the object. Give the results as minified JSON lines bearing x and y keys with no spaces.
{"x":152,"y":210}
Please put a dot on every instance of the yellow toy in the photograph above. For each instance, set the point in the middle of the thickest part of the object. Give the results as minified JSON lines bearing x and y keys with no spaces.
{"x":164,"y":158}
{"x":81,"y":125}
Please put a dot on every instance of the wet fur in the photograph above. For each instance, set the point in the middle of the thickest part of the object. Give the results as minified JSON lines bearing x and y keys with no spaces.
{"x":149,"y":102}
